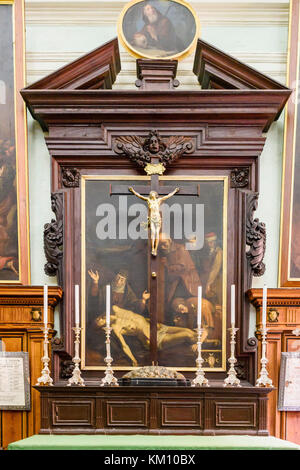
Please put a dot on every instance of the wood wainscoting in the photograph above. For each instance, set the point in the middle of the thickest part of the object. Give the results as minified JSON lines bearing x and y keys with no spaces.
{"x":21,"y":321}
{"x":286,"y":302}
{"x":213,"y":410}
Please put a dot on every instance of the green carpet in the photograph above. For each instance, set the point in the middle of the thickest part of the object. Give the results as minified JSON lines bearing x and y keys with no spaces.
{"x":145,"y":442}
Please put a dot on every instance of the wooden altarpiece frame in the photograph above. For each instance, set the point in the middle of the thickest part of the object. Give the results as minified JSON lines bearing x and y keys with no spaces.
{"x":225,"y":122}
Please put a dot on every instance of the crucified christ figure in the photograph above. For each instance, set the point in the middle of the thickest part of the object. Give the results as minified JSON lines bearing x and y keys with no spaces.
{"x":154,"y":217}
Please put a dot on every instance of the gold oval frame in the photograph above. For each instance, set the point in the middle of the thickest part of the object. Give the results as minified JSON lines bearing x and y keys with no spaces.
{"x":134,"y":52}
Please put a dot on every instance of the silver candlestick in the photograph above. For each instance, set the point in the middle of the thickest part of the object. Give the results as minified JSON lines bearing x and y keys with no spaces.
{"x":263,"y":379}
{"x":76,"y":378}
{"x":108,"y":378}
{"x":231,"y":379}
{"x":45,"y":378}
{"x":200,"y":380}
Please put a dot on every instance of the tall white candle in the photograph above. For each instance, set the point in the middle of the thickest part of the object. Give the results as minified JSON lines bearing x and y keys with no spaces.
{"x":107,"y":305}
{"x":264,"y":311}
{"x":46,"y":305}
{"x":232,"y":304}
{"x":77,"y":304}
{"x":199,"y":306}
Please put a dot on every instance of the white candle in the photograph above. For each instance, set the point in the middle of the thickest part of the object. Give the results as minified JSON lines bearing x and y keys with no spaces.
{"x":233,"y":304}
{"x":107,"y":305}
{"x":199,"y":306}
{"x":77,"y":304}
{"x":46,"y":305}
{"x":264,"y":312}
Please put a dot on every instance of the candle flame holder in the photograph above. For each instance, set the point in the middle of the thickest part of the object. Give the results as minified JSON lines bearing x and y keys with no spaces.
{"x":76,"y":378}
{"x":263,"y":379}
{"x":200,"y":380}
{"x":231,"y":379}
{"x":108,"y":378}
{"x":45,"y":378}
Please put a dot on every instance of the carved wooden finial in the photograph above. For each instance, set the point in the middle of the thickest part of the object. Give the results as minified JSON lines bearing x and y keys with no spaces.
{"x":156,"y":74}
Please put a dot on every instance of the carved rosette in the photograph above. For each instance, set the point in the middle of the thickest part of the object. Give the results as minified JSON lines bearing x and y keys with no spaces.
{"x":53,"y":236}
{"x":70,"y":177}
{"x":255,"y":238}
{"x":141,"y":151}
{"x":239,"y":177}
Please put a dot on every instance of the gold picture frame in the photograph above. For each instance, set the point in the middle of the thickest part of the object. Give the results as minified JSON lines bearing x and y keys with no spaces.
{"x":155,"y":40}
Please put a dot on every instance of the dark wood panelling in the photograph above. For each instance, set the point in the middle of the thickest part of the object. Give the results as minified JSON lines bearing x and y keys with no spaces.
{"x":75,"y":413}
{"x":186,"y":410}
{"x":134,"y":413}
{"x":236,"y":414}
{"x":181,"y":414}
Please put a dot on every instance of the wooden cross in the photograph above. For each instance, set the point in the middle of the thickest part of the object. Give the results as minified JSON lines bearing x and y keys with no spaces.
{"x":152,"y":147}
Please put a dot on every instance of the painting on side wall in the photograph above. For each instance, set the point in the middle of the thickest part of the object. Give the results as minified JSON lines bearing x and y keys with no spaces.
{"x":14,"y":252}
{"x":158,"y":29}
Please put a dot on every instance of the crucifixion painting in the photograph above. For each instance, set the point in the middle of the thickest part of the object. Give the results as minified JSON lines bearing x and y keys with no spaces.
{"x":154,"y":274}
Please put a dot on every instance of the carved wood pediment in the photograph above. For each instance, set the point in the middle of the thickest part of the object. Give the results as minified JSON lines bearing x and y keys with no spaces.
{"x":96,"y":70}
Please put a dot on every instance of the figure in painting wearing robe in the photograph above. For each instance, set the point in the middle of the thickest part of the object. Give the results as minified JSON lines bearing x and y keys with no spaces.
{"x":158,"y":32}
{"x":212,"y":269}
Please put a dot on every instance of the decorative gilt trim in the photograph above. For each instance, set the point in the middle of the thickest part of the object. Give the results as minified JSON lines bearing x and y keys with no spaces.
{"x":70,"y":177}
{"x":53,"y":236}
{"x":255,"y":237}
{"x":239,"y":177}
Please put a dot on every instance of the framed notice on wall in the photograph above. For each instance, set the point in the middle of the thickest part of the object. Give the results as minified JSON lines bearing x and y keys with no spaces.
{"x":289,"y":382}
{"x":14,"y":381}
{"x":14,"y":238}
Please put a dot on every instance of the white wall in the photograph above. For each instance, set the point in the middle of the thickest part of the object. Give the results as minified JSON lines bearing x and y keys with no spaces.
{"x":60,"y":31}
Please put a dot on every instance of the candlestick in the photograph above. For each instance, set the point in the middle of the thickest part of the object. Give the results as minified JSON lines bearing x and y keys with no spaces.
{"x":200,"y":379}
{"x":45,"y":378}
{"x":264,"y":311}
{"x":263,"y":379}
{"x":76,"y":378}
{"x":233,"y":304}
{"x":46,"y":305}
{"x":107,"y":306}
{"x":231,"y":379}
{"x":76,"y":305}
{"x":108,"y":378}
{"x":199,"y":306}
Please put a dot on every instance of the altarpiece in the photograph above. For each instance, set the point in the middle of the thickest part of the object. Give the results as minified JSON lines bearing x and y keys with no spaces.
{"x":199,"y":152}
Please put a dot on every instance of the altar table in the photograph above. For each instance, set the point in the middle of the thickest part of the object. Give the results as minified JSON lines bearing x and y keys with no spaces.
{"x":146,"y":442}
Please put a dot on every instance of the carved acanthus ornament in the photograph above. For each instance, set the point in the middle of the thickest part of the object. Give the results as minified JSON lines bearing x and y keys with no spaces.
{"x":142,"y":150}
{"x":53,"y":236}
{"x":70,"y":177}
{"x":239,"y":177}
{"x":255,"y":238}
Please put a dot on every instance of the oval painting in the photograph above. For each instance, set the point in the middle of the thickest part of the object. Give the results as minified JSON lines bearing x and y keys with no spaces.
{"x":158,"y":29}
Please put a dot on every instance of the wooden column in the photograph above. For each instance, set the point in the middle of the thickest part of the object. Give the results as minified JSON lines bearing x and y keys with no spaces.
{"x":283,"y":317}
{"x":21,"y":320}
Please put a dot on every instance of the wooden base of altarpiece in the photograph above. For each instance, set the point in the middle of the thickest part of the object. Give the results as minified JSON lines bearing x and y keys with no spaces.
{"x":213,"y":410}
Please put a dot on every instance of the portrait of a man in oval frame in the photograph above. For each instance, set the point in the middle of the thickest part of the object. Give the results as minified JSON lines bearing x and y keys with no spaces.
{"x":158,"y":29}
